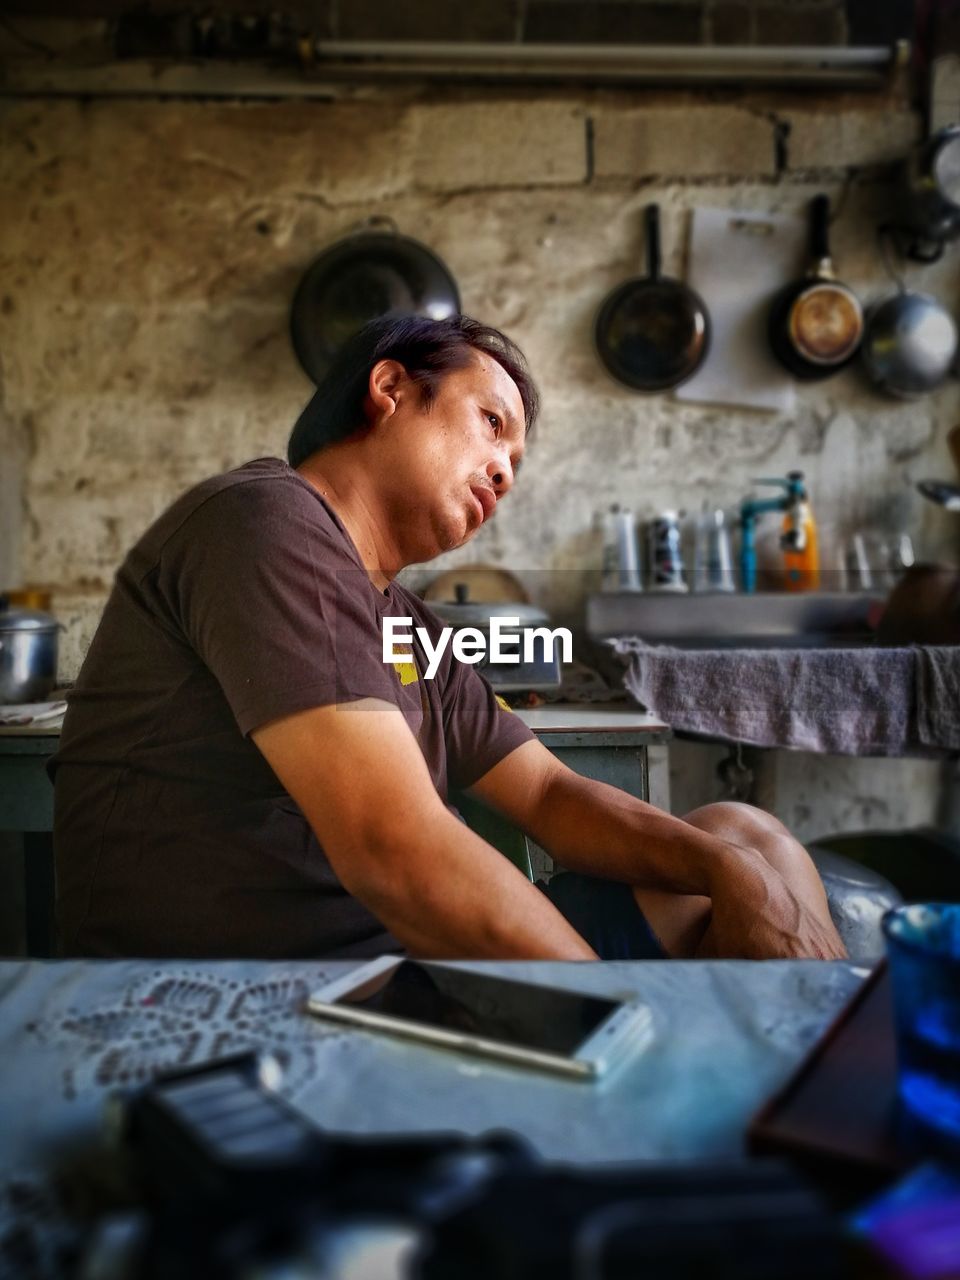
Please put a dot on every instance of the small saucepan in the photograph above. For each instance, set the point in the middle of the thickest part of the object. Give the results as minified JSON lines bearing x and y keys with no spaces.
{"x":374,"y":272}
{"x":815,"y":324}
{"x":652,"y":332}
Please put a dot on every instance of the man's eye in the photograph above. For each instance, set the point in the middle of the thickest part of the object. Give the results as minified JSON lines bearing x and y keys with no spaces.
{"x":495,"y":422}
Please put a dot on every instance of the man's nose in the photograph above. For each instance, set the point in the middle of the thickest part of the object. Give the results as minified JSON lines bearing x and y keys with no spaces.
{"x":500,"y":473}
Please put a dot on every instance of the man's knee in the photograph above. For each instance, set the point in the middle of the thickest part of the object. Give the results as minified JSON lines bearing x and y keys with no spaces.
{"x":738,"y":822}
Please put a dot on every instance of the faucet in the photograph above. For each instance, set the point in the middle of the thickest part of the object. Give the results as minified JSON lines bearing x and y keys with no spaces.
{"x":793,"y":537}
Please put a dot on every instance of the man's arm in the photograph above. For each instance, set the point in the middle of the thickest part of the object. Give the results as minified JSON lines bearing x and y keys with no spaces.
{"x":361,"y":781}
{"x":596,"y":829}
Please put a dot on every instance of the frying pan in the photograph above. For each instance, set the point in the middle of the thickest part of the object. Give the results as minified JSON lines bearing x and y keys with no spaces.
{"x":373,"y":272}
{"x":652,"y":332}
{"x":815,"y":324}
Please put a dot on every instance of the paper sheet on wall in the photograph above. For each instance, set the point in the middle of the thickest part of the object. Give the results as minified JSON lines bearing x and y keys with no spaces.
{"x":737,"y":262}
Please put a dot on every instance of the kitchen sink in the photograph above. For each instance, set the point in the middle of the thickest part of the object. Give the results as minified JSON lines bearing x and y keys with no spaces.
{"x":763,"y":620}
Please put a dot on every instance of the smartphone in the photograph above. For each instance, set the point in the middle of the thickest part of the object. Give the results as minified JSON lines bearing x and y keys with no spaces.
{"x":523,"y":1023}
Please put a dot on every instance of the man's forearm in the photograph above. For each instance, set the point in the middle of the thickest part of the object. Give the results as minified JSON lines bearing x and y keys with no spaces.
{"x":448,"y":894}
{"x":596,"y":829}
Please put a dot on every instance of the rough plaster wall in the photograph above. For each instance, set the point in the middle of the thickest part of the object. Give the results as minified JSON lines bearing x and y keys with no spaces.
{"x":149,"y":251}
{"x":815,"y":796}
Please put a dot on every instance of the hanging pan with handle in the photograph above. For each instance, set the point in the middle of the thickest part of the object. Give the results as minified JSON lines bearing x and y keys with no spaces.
{"x":652,"y":332}
{"x":374,"y":272}
{"x":816,"y":324}
{"x":911,"y":339}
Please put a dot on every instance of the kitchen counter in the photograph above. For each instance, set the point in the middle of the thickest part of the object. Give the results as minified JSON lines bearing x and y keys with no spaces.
{"x":618,"y":719}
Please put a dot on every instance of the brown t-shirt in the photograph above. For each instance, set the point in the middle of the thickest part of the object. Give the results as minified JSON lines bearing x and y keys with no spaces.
{"x":244,"y":602}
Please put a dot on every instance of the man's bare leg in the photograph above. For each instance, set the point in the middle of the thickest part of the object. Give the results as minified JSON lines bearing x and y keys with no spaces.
{"x":682,"y":921}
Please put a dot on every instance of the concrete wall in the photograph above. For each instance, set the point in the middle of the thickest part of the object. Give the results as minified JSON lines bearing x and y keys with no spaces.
{"x":149,"y":251}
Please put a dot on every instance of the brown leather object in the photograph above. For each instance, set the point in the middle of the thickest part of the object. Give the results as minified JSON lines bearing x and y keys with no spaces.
{"x":923,"y":608}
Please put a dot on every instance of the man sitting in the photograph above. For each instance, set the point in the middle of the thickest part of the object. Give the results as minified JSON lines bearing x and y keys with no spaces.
{"x":241,"y":774}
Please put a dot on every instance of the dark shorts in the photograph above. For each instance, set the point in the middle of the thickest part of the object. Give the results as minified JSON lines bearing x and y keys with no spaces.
{"x":605,"y":913}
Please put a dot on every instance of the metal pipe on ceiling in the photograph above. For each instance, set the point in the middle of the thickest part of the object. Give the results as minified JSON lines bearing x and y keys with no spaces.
{"x":325,"y":64}
{"x":637,"y":65}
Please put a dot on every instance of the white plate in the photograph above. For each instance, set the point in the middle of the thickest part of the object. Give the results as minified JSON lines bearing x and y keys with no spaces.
{"x":24,"y":713}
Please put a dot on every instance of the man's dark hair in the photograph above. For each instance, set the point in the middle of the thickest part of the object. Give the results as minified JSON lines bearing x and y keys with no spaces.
{"x":427,"y":349}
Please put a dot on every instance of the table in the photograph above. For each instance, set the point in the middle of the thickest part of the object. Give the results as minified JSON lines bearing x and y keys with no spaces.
{"x":727,"y":1033}
{"x":609,"y":743}
{"x":26,"y":807}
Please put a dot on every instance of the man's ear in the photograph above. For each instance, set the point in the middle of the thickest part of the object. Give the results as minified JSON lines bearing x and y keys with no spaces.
{"x":386,"y":387}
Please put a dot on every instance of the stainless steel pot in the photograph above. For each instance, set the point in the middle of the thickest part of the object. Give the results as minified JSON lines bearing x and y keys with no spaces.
{"x":929,"y":207}
{"x":28,"y":655}
{"x":541,"y":669}
{"x":910,"y":344}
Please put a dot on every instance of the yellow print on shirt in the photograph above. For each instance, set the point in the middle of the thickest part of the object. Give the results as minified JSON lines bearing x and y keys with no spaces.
{"x":407,"y":669}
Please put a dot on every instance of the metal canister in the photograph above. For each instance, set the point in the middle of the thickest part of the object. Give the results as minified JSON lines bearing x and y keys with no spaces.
{"x":621,"y":561}
{"x":664,"y":553}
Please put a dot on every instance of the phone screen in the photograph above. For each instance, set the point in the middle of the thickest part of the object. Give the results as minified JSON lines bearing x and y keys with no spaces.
{"x":515,"y":1013}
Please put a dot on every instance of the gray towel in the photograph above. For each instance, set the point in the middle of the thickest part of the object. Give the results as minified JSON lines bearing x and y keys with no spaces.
{"x":938,"y":697}
{"x":836,"y":701}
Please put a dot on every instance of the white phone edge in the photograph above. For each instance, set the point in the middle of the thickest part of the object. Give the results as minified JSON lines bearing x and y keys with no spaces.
{"x":628,"y":1028}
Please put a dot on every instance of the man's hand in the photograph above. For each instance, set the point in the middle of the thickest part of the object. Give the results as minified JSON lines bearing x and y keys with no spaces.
{"x":765,"y":898}
{"x":756,"y":915}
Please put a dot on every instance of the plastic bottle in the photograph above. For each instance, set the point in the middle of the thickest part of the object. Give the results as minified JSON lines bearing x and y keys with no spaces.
{"x":664,"y":553}
{"x":621,"y":560}
{"x":712,"y":557}
{"x":801,"y":555}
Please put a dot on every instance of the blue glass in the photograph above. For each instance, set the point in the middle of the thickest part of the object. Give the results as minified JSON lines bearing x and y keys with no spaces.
{"x":923,"y":946}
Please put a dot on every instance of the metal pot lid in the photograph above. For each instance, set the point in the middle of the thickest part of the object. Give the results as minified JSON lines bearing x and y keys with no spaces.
{"x":463,"y":612}
{"x":27,"y":620}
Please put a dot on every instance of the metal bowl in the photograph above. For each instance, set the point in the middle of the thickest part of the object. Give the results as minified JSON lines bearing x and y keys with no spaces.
{"x":910,"y":344}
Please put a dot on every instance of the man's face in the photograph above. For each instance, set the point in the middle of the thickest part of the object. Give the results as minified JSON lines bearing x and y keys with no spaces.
{"x":453,"y":462}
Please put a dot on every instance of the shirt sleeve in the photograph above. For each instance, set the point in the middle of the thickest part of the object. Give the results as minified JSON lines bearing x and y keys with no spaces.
{"x":479,"y":731}
{"x":266,"y":592}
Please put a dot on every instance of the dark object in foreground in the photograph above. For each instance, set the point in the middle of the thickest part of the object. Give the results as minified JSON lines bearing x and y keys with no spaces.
{"x":923,"y":608}
{"x":235,"y":1180}
{"x":839,"y":1114}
